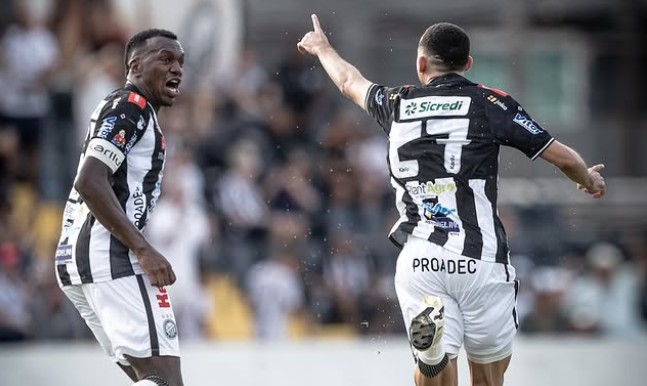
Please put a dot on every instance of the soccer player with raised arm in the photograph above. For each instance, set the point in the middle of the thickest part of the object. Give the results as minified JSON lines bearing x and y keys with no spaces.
{"x":454,"y":281}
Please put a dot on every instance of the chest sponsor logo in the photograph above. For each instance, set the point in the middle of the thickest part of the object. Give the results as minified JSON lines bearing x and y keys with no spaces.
{"x":106,"y":127}
{"x":525,"y":122}
{"x":434,"y":106}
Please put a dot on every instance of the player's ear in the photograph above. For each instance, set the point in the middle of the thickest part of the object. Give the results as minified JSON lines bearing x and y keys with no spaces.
{"x":134,"y":66}
{"x":469,"y":64}
{"x":422,"y":64}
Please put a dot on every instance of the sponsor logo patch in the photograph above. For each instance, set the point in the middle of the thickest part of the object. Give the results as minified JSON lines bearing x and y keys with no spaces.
{"x":430,"y":189}
{"x":434,"y":106}
{"x":106,"y":127}
{"x":116,"y":102}
{"x":162,"y":298}
{"x":63,"y":253}
{"x":137,"y":99}
{"x":170,"y":328}
{"x":436,"y":213}
{"x":119,"y":140}
{"x":460,"y":266}
{"x":379,"y":97}
{"x":141,"y":123}
{"x":497,"y":102}
{"x":130,"y":143}
{"x":140,"y":206}
{"x":527,"y":123}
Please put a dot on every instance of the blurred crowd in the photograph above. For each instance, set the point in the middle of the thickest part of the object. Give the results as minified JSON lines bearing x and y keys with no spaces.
{"x":272,"y":183}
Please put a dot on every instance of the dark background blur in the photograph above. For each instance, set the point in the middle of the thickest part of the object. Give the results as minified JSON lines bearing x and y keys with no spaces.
{"x":276,"y":201}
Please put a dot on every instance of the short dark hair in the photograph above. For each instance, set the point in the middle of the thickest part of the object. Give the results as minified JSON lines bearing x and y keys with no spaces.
{"x":446,"y":45}
{"x":140,"y":38}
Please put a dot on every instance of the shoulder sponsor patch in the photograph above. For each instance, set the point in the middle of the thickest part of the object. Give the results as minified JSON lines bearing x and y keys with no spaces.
{"x":494,"y":100}
{"x":434,"y":106}
{"x":137,"y":99}
{"x":527,"y":123}
{"x":106,"y":126}
{"x":105,"y":152}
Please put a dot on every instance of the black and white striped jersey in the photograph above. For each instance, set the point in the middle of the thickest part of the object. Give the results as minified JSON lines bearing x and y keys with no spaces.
{"x":125,"y":135}
{"x":443,"y":158}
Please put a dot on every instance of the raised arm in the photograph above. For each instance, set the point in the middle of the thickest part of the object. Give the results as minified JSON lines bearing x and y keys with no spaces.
{"x":572,"y":165}
{"x":346,"y":77}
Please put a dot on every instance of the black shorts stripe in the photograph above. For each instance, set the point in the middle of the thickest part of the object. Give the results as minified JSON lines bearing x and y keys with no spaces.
{"x":514,"y":309}
{"x":507,"y":275}
{"x":63,"y":275}
{"x":514,"y":317}
{"x":152,"y":330}
{"x":83,"y":250}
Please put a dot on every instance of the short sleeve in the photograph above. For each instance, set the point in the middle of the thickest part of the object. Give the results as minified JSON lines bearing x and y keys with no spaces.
{"x":514,"y":127}
{"x":380,"y":104}
{"x":118,"y":128}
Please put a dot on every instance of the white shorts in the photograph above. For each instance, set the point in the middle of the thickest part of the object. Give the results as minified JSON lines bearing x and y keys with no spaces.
{"x":128,"y":316}
{"x":479,"y":298}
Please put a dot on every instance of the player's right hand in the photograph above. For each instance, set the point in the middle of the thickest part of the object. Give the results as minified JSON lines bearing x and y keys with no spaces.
{"x":156,"y":267}
{"x":598,"y":186}
{"x":314,"y":40}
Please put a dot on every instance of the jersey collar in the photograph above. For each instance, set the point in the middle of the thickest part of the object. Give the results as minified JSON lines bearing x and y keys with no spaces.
{"x":131,"y":87}
{"x":448,"y":80}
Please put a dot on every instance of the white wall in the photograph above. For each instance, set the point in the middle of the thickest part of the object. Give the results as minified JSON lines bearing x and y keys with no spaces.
{"x":374,"y":362}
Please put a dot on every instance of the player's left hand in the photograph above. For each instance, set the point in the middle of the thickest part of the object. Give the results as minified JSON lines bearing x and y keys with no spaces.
{"x":313,"y":41}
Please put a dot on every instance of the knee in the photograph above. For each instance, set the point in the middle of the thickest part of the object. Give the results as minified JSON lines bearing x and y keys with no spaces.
{"x":161,"y":371}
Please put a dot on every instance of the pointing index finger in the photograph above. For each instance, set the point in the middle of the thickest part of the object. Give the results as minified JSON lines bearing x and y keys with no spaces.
{"x":598,"y":167}
{"x":315,"y":23}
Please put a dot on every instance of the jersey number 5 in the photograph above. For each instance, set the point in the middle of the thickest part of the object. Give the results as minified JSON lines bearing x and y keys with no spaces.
{"x":449,"y":133}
